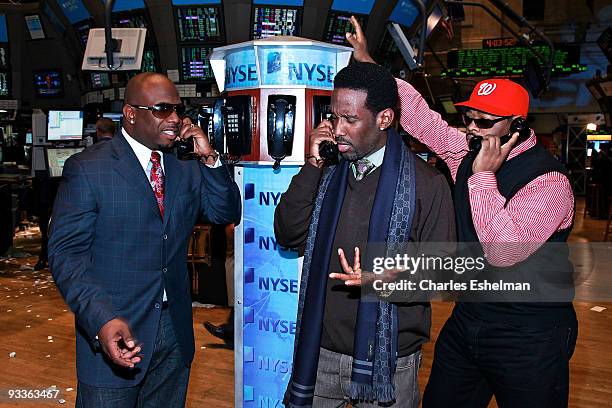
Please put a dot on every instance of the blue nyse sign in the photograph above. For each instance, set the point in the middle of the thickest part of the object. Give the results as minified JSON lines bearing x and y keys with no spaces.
{"x":280,"y":66}
{"x":270,"y":290}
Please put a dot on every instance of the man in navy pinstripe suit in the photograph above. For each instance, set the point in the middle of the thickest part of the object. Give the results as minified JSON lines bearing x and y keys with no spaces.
{"x":118,"y":246}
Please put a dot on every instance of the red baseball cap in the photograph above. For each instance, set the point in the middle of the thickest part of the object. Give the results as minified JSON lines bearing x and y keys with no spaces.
{"x":500,"y":97}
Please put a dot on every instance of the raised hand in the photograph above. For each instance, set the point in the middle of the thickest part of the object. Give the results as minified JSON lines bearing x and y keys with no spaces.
{"x":359,"y":43}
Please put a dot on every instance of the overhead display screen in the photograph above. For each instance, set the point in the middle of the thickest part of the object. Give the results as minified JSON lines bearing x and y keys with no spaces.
{"x":4,"y":84}
{"x":100,"y":80}
{"x":195,"y":64}
{"x":273,"y":21}
{"x":194,"y":2}
{"x":199,"y":23}
{"x":123,"y":5}
{"x":74,"y":10}
{"x":52,"y":17}
{"x":4,"y":56}
{"x":298,"y":3}
{"x":353,"y":6}
{"x":3,"y":30}
{"x":405,"y":13}
{"x":338,"y":24}
{"x":504,"y":61}
{"x":48,"y":83}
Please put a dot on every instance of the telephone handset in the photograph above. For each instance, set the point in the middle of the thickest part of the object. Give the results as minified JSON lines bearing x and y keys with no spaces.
{"x":215,"y":127}
{"x":329,"y":152}
{"x":321,"y":110}
{"x":281,"y":123}
{"x":519,"y":125}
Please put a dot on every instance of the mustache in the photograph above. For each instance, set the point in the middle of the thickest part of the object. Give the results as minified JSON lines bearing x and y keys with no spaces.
{"x":340,"y":139}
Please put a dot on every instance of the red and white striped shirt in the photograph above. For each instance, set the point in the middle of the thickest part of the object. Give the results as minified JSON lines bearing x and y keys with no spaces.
{"x":539,"y":209}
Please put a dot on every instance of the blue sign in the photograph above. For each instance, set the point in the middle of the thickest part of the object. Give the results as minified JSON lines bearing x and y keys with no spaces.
{"x":353,"y":6}
{"x":74,"y":10}
{"x":405,"y":13}
{"x":298,"y":3}
{"x":294,"y":66}
{"x":241,"y":70}
{"x":3,"y":30}
{"x":124,"y":5}
{"x":270,"y":290}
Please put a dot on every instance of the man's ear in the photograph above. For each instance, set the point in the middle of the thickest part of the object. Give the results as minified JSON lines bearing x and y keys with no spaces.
{"x":384,"y":119}
{"x":128,"y":113}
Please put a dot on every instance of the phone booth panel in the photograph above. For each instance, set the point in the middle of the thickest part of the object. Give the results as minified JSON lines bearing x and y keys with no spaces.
{"x":290,"y":82}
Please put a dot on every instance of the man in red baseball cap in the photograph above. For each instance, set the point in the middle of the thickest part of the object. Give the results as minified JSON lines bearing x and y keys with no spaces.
{"x":511,"y":196}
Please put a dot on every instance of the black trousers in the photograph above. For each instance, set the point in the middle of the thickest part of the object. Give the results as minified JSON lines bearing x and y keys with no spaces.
{"x":522,"y":366}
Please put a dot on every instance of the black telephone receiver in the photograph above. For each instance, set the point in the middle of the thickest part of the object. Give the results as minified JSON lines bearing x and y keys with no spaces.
{"x":519,"y":125}
{"x":321,"y":110}
{"x":329,"y":152}
{"x":215,"y":127}
{"x":281,"y":122}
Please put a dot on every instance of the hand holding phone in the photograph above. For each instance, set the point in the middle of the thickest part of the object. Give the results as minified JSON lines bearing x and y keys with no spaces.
{"x":324,"y":133}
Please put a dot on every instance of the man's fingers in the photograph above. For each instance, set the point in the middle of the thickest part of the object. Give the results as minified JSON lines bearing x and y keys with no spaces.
{"x":356,"y":261}
{"x":348,"y":280}
{"x":127,"y":337}
{"x":115,"y":355}
{"x":358,"y":30}
{"x":505,"y":149}
{"x":345,"y":266}
{"x":128,"y":354}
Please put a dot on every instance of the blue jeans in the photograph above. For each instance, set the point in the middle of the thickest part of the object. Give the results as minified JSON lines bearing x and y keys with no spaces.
{"x":164,"y":385}
{"x":524,"y":367}
{"x":334,"y":380}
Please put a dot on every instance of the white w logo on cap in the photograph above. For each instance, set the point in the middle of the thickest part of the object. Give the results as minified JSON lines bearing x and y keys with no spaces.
{"x":486,"y":89}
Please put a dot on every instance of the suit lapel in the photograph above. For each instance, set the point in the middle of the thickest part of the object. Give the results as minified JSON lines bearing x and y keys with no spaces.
{"x":128,"y":166}
{"x":172,"y":171}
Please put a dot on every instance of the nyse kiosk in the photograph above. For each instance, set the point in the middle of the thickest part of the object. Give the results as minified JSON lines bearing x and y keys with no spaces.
{"x":276,"y":90}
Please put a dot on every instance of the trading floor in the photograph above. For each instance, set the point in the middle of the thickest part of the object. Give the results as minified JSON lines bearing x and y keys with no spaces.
{"x":39,"y":329}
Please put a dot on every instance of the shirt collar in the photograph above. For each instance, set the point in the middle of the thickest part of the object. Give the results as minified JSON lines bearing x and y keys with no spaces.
{"x":142,"y":152}
{"x":376,"y":158}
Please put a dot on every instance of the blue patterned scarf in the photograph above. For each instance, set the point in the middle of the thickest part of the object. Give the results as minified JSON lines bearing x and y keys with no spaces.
{"x":375,"y":344}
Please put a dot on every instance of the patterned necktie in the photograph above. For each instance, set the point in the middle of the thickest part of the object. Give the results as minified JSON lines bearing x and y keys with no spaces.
{"x":362,"y":168}
{"x":157,"y":180}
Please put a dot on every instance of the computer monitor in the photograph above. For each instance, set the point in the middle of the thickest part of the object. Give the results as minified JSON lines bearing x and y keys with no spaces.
{"x":149,"y":61}
{"x":74,"y":10}
{"x":5,"y":87}
{"x":48,"y":83}
{"x":4,"y":57}
{"x":199,"y":23}
{"x":57,"y":157}
{"x":100,"y":80}
{"x":64,"y":125}
{"x":195,"y":64}
{"x":338,"y":24}
{"x":271,"y":21}
{"x":117,"y":118}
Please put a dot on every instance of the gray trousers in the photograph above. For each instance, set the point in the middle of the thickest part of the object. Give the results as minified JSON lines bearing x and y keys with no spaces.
{"x":334,"y":379}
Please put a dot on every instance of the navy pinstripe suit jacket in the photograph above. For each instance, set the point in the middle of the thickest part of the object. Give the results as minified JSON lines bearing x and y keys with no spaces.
{"x":111,"y":254}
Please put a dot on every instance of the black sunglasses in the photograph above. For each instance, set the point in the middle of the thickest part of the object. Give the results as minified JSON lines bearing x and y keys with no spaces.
{"x":163,"y":110}
{"x":482,"y":123}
